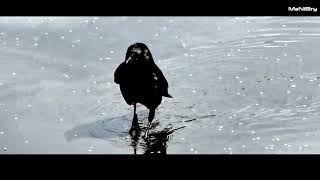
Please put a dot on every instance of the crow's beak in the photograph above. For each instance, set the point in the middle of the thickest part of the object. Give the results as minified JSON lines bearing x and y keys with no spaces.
{"x":127,"y":60}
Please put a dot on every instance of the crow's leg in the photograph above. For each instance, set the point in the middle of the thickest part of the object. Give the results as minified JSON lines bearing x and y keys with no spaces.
{"x":135,"y":128}
{"x":135,"y":124}
{"x":150,"y":118}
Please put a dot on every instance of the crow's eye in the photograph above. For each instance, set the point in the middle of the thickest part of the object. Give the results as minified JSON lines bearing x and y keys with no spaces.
{"x":146,"y":54}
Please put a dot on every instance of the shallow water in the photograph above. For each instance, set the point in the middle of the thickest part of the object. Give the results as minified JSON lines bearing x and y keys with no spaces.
{"x":253,"y":81}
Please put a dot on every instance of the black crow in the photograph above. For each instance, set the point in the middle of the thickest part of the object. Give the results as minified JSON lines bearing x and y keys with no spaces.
{"x":141,"y":81}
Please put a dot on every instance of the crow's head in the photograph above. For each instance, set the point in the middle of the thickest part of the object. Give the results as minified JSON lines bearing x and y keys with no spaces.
{"x":138,"y":53}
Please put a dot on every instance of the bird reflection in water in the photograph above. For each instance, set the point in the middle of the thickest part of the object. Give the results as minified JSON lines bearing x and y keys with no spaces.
{"x":155,"y":142}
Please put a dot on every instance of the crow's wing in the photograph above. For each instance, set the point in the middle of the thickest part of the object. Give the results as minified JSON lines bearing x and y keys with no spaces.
{"x":161,"y":81}
{"x":119,"y":73}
